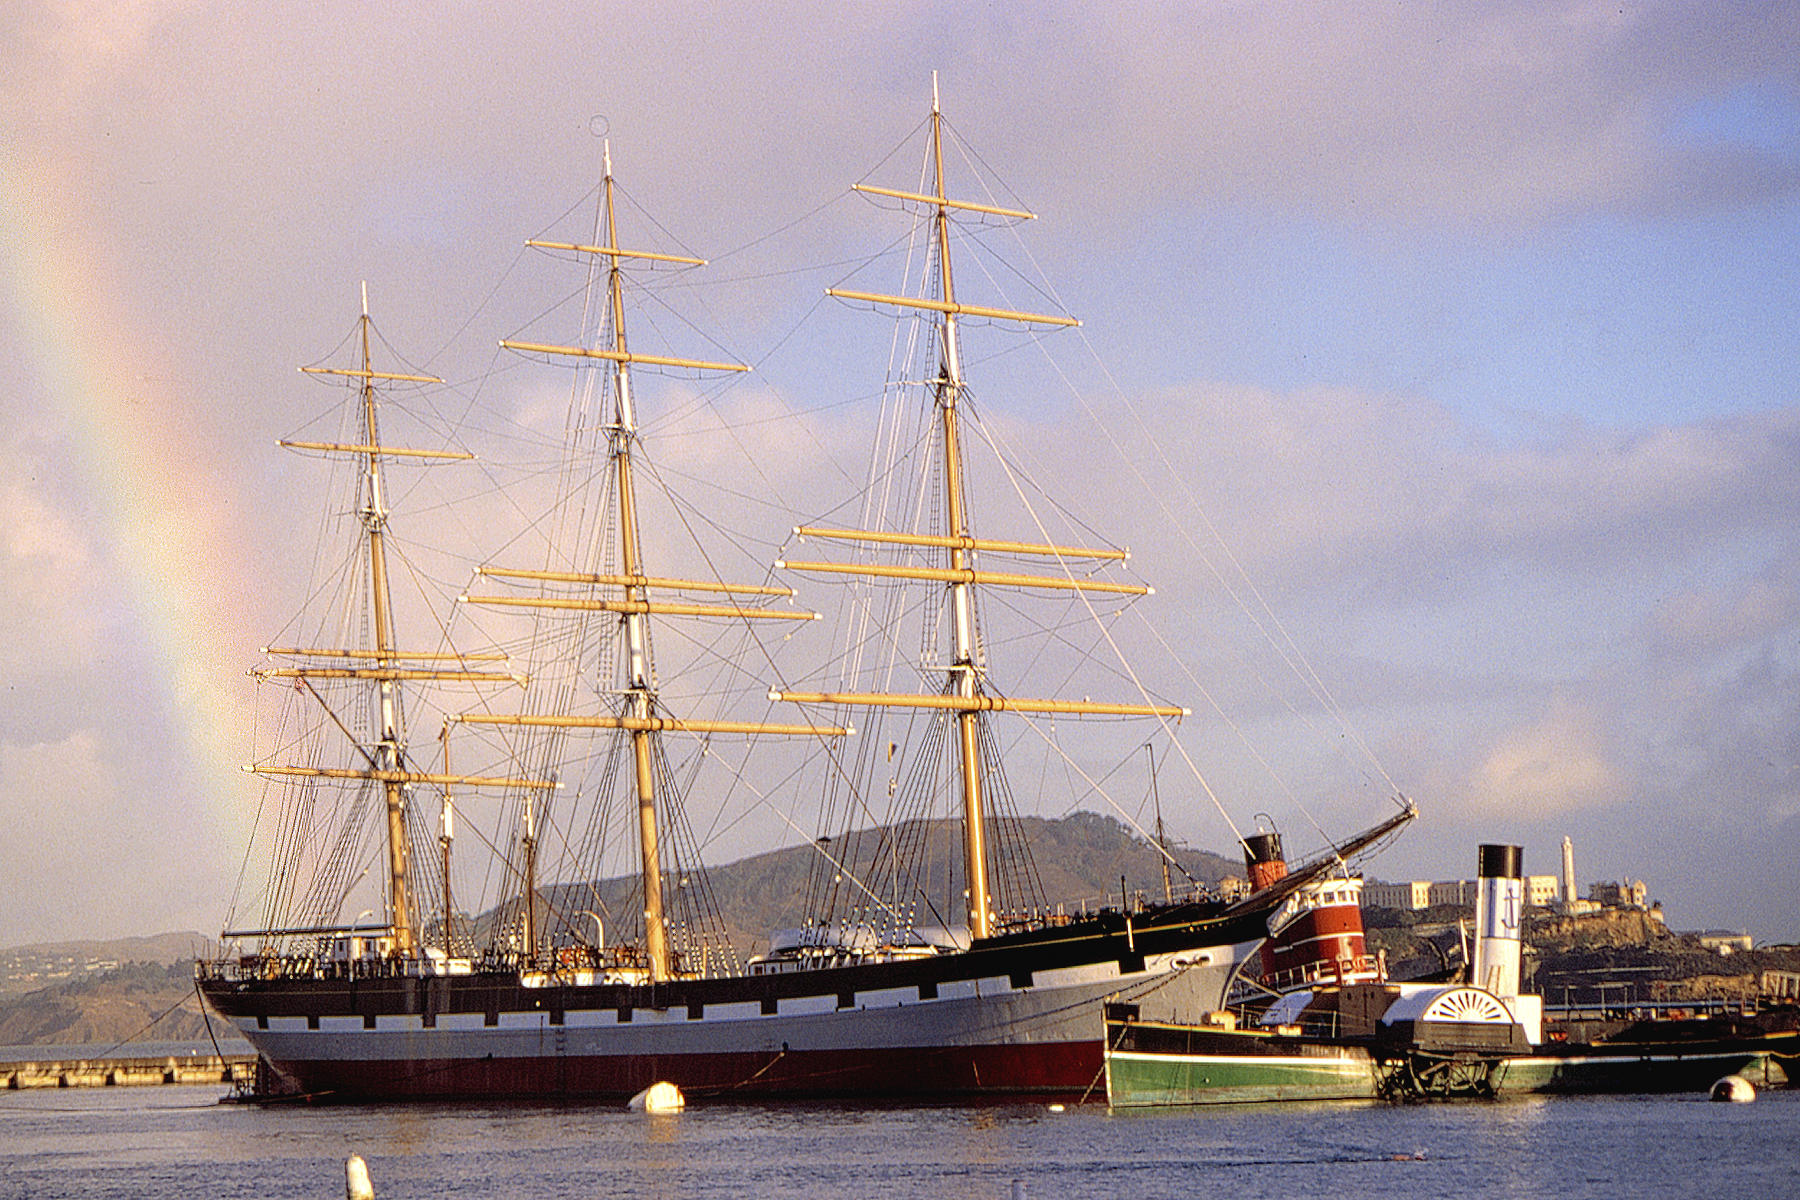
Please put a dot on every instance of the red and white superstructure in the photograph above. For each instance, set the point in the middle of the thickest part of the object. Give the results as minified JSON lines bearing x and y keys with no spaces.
{"x":1316,"y":936}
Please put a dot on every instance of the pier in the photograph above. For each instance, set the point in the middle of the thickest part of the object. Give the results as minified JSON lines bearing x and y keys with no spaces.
{"x":129,"y":1072}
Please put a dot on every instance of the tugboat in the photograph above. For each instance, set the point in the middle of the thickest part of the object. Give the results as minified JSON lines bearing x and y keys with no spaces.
{"x":1334,"y":1036}
{"x":1315,"y":1018}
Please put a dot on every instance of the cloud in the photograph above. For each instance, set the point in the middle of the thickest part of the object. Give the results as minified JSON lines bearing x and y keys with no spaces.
{"x":51,"y":573}
{"x":1701,"y":619}
{"x":1514,"y":112}
{"x":1314,"y":488}
{"x":60,"y":813}
{"x":1559,"y":763}
{"x":39,"y":534}
{"x":87,"y":855}
{"x":66,"y":52}
{"x":1589,"y":621}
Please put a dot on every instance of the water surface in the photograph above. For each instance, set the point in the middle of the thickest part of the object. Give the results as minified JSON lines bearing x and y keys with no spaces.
{"x":168,"y":1142}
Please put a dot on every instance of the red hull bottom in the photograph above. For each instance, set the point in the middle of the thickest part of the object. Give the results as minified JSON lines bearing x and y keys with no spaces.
{"x":1054,"y":1069}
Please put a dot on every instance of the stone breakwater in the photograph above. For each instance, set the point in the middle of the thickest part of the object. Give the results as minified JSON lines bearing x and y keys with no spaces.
{"x":128,"y":1072}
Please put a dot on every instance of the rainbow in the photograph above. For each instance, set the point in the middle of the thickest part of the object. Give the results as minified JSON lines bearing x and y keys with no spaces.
{"x":96,"y":373}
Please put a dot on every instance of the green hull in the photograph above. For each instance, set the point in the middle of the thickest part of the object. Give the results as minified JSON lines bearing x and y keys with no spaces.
{"x":1158,"y":1065}
{"x":1155,"y":1065}
{"x":1140,"y":1080}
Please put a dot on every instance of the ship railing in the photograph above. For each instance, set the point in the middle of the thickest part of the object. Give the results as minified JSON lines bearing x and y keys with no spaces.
{"x":825,"y":957}
{"x":1069,"y":912}
{"x":251,"y":967}
{"x":1668,"y":1010}
{"x":1359,"y":969}
{"x":1310,"y":1024}
{"x":1136,"y":901}
{"x":580,"y":956}
{"x":813,"y":959}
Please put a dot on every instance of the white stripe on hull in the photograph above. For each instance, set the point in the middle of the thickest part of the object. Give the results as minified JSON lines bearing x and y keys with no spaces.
{"x":1063,"y":1007}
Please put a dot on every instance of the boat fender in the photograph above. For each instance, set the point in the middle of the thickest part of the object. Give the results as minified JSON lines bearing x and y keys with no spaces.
{"x":356,"y":1179}
{"x":1734,"y":1089}
{"x":662,"y":1096}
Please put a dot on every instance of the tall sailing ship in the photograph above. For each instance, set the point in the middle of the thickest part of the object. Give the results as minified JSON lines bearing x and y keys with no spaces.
{"x":977,"y":986}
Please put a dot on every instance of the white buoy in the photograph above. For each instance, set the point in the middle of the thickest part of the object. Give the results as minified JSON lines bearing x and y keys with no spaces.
{"x":1733,"y":1088}
{"x":658,"y":1097}
{"x":356,"y":1179}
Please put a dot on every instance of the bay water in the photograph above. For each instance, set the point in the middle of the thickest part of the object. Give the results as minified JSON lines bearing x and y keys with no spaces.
{"x":179,"y":1143}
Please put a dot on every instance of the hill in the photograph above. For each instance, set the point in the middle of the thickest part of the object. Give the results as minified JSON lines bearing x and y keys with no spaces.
{"x":28,"y":968}
{"x":1080,"y":859}
{"x":134,"y":1002}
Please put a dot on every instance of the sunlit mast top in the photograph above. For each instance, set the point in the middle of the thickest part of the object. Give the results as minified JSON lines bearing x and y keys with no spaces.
{"x":639,"y":714}
{"x":963,"y":693}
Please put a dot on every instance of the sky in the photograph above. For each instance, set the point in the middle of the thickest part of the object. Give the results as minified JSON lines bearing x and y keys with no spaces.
{"x":1452,"y":342}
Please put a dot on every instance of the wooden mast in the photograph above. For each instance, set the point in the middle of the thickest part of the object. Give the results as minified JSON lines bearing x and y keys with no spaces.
{"x":390,"y":745}
{"x":638,"y":716}
{"x":963,"y":694}
{"x":963,"y":668}
{"x":639,"y":679}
